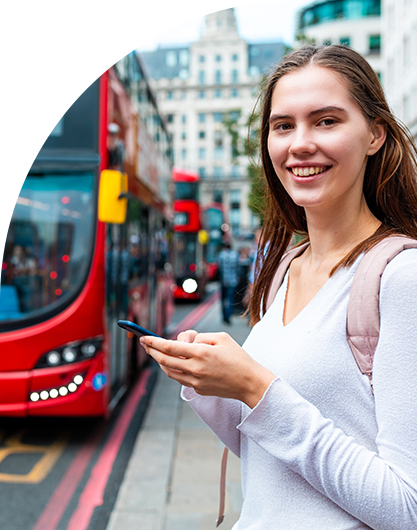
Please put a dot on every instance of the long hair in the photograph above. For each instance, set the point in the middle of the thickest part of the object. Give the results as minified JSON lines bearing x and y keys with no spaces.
{"x":389,"y":184}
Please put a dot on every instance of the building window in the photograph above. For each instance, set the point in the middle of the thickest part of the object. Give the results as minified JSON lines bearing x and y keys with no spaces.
{"x":235,"y":57}
{"x":171,"y":58}
{"x":183,"y":135}
{"x":234,"y":217}
{"x":183,"y":73}
{"x":374,"y":43}
{"x":202,"y":153}
{"x":183,"y":154}
{"x":235,"y":171}
{"x":183,"y":94}
{"x":234,"y":93}
{"x":201,"y":94}
{"x":218,"y":153}
{"x":202,"y":77}
{"x":218,"y":117}
{"x":201,"y":117}
{"x":218,"y":172}
{"x":218,"y":196}
{"x":170,"y":94}
{"x":202,"y":172}
{"x":170,"y":118}
{"x":234,"y":199}
{"x":218,"y":76}
{"x":202,"y":59}
{"x":344,"y":41}
{"x":218,"y":58}
{"x":254,"y":71}
{"x":201,"y":134}
{"x":217,"y":93}
{"x":184,"y":118}
{"x":184,"y":57}
{"x":235,"y":76}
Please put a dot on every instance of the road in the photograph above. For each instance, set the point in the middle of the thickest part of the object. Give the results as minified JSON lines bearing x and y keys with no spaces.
{"x":64,"y":474}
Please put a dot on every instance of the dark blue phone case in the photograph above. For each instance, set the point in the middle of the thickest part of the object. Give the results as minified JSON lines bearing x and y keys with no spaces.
{"x":134,"y":328}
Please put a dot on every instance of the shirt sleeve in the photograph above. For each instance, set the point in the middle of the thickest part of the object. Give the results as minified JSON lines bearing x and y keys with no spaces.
{"x":377,"y":487}
{"x":220,"y":414}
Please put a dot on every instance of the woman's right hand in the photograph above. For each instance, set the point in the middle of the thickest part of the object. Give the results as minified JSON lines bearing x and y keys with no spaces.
{"x":187,"y":336}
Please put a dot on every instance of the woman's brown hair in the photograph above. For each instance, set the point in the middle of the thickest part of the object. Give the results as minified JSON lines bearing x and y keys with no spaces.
{"x":390,"y":178}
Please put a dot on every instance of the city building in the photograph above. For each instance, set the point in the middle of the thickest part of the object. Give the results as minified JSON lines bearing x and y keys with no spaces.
{"x":197,"y":87}
{"x":399,"y":31}
{"x":354,"y":23}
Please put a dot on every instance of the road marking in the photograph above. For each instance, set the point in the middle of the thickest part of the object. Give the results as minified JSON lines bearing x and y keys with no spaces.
{"x":51,"y":453}
{"x":195,"y":316}
{"x":92,"y":496}
{"x":58,"y":503}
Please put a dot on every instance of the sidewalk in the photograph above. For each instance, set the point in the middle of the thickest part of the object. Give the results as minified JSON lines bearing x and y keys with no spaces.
{"x":173,"y":477}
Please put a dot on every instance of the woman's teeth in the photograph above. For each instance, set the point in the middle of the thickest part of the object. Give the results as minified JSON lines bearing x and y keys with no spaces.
{"x":306,"y":171}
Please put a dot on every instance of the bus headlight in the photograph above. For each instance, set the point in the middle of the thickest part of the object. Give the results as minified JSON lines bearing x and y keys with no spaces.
{"x":190,"y":285}
{"x":69,"y":354}
{"x":53,"y":358}
{"x":88,"y":349}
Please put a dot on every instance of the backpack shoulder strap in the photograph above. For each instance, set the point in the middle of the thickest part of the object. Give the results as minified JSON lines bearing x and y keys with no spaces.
{"x":281,"y":271}
{"x":362,"y":325}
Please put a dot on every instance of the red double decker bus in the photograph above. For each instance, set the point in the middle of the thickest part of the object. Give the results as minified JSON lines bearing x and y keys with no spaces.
{"x":217,"y":228}
{"x":190,"y":267}
{"x":89,"y":243}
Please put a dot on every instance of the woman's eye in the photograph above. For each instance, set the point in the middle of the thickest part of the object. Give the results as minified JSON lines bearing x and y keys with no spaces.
{"x":327,"y":121}
{"x":283,"y":127}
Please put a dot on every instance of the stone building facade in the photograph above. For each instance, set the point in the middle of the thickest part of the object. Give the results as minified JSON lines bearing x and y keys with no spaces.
{"x":197,"y":86}
{"x":399,"y":31}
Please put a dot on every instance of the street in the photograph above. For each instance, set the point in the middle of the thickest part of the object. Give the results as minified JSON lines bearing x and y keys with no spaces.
{"x":65,"y":473}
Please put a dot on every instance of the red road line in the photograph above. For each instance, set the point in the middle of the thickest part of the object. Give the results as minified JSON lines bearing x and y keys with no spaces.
{"x":197,"y":314}
{"x":92,"y":496}
{"x":58,"y":503}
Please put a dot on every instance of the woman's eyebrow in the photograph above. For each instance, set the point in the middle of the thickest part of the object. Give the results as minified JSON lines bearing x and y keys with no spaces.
{"x":329,"y":108}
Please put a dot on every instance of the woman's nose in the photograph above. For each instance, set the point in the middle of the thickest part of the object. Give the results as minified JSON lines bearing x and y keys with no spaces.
{"x":302,"y":141}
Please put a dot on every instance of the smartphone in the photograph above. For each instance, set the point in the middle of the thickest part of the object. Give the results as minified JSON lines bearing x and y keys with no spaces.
{"x":134,"y":328}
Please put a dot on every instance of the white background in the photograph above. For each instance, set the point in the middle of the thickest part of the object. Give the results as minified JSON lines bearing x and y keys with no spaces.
{"x":51,"y":51}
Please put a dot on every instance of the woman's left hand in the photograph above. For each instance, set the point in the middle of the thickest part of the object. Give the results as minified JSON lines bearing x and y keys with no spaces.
{"x":213,"y":364}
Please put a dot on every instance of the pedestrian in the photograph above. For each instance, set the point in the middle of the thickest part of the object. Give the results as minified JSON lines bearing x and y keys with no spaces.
{"x":320,"y":449}
{"x":228,"y":262}
{"x":245,"y":262}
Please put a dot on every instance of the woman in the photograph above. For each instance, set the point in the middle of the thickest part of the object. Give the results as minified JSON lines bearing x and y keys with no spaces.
{"x":318,"y":450}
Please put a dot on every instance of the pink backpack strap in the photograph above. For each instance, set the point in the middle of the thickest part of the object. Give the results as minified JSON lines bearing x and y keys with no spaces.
{"x":281,"y":271}
{"x":362,"y":325}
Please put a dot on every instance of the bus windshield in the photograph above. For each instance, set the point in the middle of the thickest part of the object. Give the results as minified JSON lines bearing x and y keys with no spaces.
{"x":185,"y":253}
{"x":48,"y":245}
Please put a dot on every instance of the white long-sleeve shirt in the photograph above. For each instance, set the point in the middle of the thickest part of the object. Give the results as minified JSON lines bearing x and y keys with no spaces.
{"x":319,"y":451}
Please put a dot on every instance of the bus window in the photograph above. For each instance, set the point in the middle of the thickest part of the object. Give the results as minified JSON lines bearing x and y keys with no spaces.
{"x":49,"y":244}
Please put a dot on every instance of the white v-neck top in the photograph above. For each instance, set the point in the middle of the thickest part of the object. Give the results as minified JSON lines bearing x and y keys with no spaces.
{"x":319,"y":451}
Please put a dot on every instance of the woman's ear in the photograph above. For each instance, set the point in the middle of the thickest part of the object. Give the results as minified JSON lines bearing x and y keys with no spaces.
{"x":378,"y":136}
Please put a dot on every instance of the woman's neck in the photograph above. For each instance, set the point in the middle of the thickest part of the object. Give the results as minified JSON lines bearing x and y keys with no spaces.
{"x":334,"y":233}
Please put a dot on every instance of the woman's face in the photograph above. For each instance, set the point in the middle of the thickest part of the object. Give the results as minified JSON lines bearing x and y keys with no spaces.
{"x":319,"y":140}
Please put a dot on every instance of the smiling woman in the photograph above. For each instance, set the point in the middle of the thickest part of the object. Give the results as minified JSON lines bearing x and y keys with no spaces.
{"x":321,"y":448}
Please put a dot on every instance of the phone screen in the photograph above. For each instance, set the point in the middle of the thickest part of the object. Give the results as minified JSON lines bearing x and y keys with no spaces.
{"x":134,"y":328}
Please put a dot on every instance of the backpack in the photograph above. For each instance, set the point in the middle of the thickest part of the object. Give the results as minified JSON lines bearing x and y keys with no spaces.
{"x":362,"y":322}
